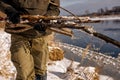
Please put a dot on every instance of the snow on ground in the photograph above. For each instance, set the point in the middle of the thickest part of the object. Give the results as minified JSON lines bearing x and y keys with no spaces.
{"x":7,"y":70}
{"x":104,"y":77}
{"x":57,"y":70}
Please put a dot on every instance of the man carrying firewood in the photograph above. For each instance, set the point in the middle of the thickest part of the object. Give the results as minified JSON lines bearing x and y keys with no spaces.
{"x":29,"y":49}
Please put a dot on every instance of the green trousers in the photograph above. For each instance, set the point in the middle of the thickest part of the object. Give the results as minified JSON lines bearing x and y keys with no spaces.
{"x":29,"y":56}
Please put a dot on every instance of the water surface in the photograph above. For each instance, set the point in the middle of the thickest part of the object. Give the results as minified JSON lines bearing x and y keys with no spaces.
{"x":82,"y":39}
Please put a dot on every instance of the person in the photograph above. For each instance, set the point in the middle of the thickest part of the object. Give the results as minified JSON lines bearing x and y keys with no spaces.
{"x":29,"y":50}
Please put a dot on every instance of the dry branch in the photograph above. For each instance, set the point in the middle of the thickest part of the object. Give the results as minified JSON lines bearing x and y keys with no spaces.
{"x":58,"y":23}
{"x":61,"y":18}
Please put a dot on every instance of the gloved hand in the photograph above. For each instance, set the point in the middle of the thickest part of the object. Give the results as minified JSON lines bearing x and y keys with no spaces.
{"x":40,"y":27}
{"x":13,"y":15}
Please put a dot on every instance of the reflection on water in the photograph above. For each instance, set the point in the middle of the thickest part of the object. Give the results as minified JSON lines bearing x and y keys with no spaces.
{"x":109,"y":28}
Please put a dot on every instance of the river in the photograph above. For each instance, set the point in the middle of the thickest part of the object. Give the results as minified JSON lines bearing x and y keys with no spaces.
{"x":110,"y":28}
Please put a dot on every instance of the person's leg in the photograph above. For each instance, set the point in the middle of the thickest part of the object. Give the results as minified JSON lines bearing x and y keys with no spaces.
{"x":22,"y":59}
{"x":40,"y":55}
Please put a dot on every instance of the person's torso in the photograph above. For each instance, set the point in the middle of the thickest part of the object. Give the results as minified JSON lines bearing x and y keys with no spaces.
{"x":33,"y":7}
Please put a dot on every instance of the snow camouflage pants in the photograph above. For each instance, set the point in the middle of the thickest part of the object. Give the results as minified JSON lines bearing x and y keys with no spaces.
{"x":29,"y":56}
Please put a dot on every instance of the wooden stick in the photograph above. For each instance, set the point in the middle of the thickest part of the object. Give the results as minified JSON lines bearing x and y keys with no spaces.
{"x":33,"y":18}
{"x":61,"y":32}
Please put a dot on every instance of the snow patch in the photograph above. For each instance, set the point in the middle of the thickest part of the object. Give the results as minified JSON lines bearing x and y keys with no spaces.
{"x":7,"y":69}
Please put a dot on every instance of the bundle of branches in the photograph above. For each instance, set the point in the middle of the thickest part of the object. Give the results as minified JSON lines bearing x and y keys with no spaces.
{"x":59,"y":24}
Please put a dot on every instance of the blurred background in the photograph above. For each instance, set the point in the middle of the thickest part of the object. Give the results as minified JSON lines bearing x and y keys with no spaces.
{"x":79,"y":7}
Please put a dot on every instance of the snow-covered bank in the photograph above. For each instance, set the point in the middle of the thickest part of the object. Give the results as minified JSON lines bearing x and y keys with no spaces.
{"x":97,"y":57}
{"x":103,"y":18}
{"x":108,"y":65}
{"x":58,"y":71}
{"x":7,"y":69}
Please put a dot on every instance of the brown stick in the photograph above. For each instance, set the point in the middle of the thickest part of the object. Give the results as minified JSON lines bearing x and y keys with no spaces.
{"x":61,"y":31}
{"x":107,"y":39}
{"x":33,"y":18}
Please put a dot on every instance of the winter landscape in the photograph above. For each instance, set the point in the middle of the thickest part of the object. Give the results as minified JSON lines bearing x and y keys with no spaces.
{"x":84,"y":57}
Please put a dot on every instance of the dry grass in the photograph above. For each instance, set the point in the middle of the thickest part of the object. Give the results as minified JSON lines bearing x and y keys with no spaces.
{"x":56,"y":54}
{"x":85,"y":52}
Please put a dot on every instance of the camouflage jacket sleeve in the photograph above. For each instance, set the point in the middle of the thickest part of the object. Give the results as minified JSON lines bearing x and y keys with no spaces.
{"x":52,"y":9}
{"x":4,"y":6}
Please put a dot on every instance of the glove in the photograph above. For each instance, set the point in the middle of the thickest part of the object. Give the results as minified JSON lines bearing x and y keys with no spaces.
{"x":40,"y":27}
{"x":13,"y":15}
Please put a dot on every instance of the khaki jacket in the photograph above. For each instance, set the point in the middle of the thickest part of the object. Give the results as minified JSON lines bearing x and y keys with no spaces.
{"x":33,"y":7}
